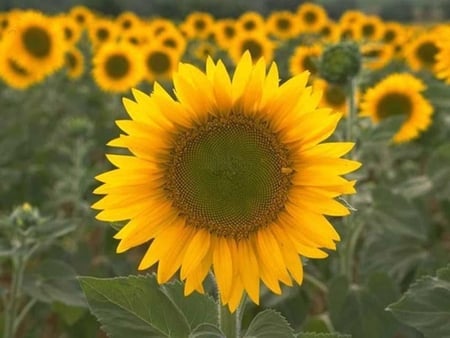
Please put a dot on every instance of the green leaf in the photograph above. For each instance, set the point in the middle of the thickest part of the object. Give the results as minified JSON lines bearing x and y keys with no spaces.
{"x":206,"y":331}
{"x":359,"y":309}
{"x":426,"y":305}
{"x":136,"y":306}
{"x":69,"y":314}
{"x":322,"y":335}
{"x":54,"y":281}
{"x":269,"y":324}
{"x":438,"y":169}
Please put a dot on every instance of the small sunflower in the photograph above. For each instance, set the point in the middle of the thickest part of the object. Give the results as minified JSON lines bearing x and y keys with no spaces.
{"x":74,"y":63}
{"x":250,"y":22}
{"x":160,"y":62}
{"x":204,"y":49}
{"x":82,"y":15}
{"x":127,"y":21}
{"x":394,"y":33}
{"x":305,"y":58}
{"x":334,"y":96}
{"x":312,"y":17}
{"x":399,"y":94}
{"x":71,"y":30}
{"x":224,"y":32}
{"x":351,"y":17}
{"x":198,"y":25}
{"x":118,"y":66}
{"x":421,"y":51}
{"x":173,"y":39}
{"x":38,"y":43}
{"x":330,"y":32}
{"x":370,"y":28}
{"x":283,"y":24}
{"x":102,"y":30}
{"x":157,"y":26}
{"x":259,"y":45}
{"x":376,"y":55}
{"x":232,"y":175}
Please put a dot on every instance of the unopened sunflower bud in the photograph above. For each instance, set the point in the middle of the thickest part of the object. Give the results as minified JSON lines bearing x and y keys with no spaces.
{"x":340,"y":62}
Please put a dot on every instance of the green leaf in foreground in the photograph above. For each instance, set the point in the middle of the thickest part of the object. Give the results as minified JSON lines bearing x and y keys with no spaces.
{"x":322,"y":335}
{"x":136,"y":306}
{"x":269,"y":324}
{"x":426,"y":305}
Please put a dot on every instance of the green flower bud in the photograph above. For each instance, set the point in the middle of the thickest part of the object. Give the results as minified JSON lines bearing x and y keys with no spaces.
{"x":340,"y":62}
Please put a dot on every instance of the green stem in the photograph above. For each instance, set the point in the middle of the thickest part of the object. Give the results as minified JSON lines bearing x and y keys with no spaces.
{"x":11,"y":307}
{"x":351,"y":248}
{"x":352,"y":108}
{"x":317,"y":283}
{"x":229,"y":323}
{"x":24,"y":312}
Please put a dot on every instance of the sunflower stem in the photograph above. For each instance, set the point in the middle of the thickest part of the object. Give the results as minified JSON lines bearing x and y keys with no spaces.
{"x":229,"y":323}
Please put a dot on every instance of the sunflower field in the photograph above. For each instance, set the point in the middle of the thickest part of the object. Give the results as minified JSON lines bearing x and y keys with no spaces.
{"x":270,"y":176}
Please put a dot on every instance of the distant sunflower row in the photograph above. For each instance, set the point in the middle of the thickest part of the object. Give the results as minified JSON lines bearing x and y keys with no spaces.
{"x":128,"y":49}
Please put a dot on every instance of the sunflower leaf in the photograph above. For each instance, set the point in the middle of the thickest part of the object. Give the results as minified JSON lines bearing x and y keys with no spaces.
{"x":136,"y":306}
{"x":426,"y":305}
{"x":322,"y":335}
{"x":269,"y":324}
{"x":206,"y":331}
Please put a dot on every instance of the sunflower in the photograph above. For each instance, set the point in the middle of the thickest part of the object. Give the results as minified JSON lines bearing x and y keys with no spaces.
{"x":160,"y":61}
{"x":370,"y":28}
{"x":376,"y":55}
{"x":74,"y":63}
{"x":198,"y":25}
{"x":334,"y":96}
{"x":173,"y":39}
{"x":71,"y":30}
{"x":351,"y":17}
{"x":127,"y":21}
{"x":38,"y":43}
{"x":394,"y":33}
{"x":399,"y":94}
{"x":82,"y":15}
{"x":118,"y":66}
{"x":305,"y":58}
{"x":330,"y":32}
{"x":312,"y":17}
{"x":158,"y":26}
{"x":283,"y":25}
{"x":259,"y":45}
{"x":231,"y":175}
{"x":421,"y":51}
{"x":250,"y":22}
{"x":442,"y":69}
{"x":203,"y":50}
{"x":102,"y":30}
{"x":224,"y":32}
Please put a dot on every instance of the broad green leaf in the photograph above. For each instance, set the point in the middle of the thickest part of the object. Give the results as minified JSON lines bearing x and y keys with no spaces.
{"x":206,"y":331}
{"x":426,"y":305}
{"x":322,"y":335}
{"x":269,"y":324}
{"x":69,"y":314}
{"x":136,"y":306}
{"x":54,"y":281}
{"x":359,"y":309}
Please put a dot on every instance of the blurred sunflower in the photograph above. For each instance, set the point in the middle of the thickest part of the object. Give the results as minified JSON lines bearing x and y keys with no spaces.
{"x":330,"y":32}
{"x":127,"y":20}
{"x":421,"y":51}
{"x":71,"y":30}
{"x":259,"y":45}
{"x":394,"y":33}
{"x":157,"y":26}
{"x":370,"y":28}
{"x":283,"y":25}
{"x":204,"y":49}
{"x":82,"y":15}
{"x":399,"y":94}
{"x":351,"y":17}
{"x":224,"y":32}
{"x":334,"y":96}
{"x":250,"y":22}
{"x":15,"y":75}
{"x":74,"y":63}
{"x":442,"y":68}
{"x":38,"y":43}
{"x":312,"y":17}
{"x":160,"y":61}
{"x":173,"y":39}
{"x":235,"y":170}
{"x":305,"y":58}
{"x":102,"y":30}
{"x":118,"y":66}
{"x":376,"y":55}
{"x":198,"y":25}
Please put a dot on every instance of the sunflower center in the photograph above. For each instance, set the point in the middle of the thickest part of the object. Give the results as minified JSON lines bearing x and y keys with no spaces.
{"x":310,"y":17}
{"x":199,"y":25}
{"x":71,"y":60}
{"x":229,"y":32}
{"x":283,"y":24}
{"x":37,"y":41}
{"x":335,"y":95}
{"x":309,"y":64}
{"x":102,"y":34}
{"x":249,"y":25}
{"x":389,"y":36}
{"x":325,"y":31}
{"x":68,"y":33}
{"x":255,"y":49}
{"x":368,"y":30}
{"x":394,"y":104}
{"x":427,"y":52}
{"x":170,"y":42}
{"x":228,"y":176}
{"x":117,"y":66}
{"x":158,"y":62}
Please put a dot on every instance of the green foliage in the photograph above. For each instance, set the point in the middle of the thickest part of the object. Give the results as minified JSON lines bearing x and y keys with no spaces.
{"x":322,"y":335}
{"x":269,"y":324}
{"x":426,"y":305}
{"x":137,"y":306}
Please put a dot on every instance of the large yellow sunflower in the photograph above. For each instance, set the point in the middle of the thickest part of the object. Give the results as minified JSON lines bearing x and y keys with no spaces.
{"x":399,"y":94}
{"x":232,"y":175}
{"x":38,"y":43}
{"x":118,"y":66}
